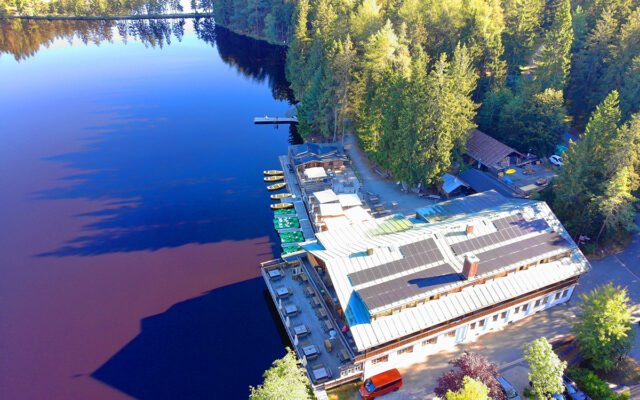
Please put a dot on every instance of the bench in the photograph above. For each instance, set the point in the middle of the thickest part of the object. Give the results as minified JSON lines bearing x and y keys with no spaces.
{"x":344,"y":356}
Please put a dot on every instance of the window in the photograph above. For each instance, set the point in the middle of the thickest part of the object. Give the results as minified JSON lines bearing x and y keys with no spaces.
{"x":406,"y":350}
{"x":503,"y":315}
{"x":472,"y":326}
{"x":546,"y":300}
{"x":380,"y":360}
{"x":433,"y":340}
{"x":481,"y":324}
{"x":537,"y":303}
{"x":558,"y":295}
{"x":565,"y":293}
{"x":516,"y":310}
{"x":495,"y":318}
{"x":450,"y":334}
{"x":525,"y":308}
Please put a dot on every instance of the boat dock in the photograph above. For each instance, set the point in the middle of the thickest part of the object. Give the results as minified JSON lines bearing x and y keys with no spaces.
{"x":298,"y":203}
{"x":274,"y":120}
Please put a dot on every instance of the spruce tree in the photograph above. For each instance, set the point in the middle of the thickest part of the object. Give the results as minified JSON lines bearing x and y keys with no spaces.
{"x":554,"y":60}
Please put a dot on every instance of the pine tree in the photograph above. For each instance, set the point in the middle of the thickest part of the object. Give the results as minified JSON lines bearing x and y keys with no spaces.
{"x":298,"y":50}
{"x":554,"y":60}
{"x":522,"y":27}
{"x":630,"y":90}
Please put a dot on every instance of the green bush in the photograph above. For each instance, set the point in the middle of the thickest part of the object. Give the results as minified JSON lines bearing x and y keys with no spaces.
{"x":593,"y":386}
{"x":529,"y":394}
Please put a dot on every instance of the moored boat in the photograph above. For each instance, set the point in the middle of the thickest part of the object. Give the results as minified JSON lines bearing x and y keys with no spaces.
{"x":274,"y":178}
{"x":273,"y":172}
{"x":280,"y":196}
{"x":280,"y":206}
{"x":276,"y":186}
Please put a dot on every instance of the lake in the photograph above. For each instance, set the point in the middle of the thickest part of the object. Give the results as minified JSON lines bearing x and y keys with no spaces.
{"x":133,"y":213}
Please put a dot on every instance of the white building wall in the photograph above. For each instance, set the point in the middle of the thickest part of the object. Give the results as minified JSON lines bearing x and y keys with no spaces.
{"x":447,"y":340}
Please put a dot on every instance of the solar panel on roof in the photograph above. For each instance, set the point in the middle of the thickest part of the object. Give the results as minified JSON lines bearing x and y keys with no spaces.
{"x":520,"y":251}
{"x":409,"y":286}
{"x":509,"y":228}
{"x":415,"y":255}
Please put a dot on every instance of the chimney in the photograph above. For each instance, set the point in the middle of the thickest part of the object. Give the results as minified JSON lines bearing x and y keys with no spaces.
{"x":469,"y":229}
{"x":470,"y":268}
{"x":370,"y":252}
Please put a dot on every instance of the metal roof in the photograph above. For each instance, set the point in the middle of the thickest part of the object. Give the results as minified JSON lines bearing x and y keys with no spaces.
{"x":461,"y":206}
{"x":325,"y":196}
{"x":487,"y":150}
{"x":304,"y":153}
{"x":481,"y":182}
{"x":412,"y":264}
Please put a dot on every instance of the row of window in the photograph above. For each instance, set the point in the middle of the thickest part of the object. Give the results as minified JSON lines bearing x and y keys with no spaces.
{"x":480,"y":324}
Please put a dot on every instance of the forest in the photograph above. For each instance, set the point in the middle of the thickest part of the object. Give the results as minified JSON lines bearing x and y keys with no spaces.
{"x":412,"y":77}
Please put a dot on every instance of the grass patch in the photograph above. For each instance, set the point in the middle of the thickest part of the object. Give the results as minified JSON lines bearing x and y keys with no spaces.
{"x":348,"y":391}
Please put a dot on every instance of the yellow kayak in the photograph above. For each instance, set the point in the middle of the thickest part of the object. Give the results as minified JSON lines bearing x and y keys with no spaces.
{"x":276,"y":186}
{"x":280,"y":206}
{"x":274,"y":178}
{"x":280,"y":196}
{"x":273,"y":172}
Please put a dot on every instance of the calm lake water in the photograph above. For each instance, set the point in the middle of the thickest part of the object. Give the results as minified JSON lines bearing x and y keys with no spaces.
{"x":133,"y":215}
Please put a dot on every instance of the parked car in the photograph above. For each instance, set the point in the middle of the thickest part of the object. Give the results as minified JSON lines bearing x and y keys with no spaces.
{"x":556,"y":160}
{"x":572,"y":391}
{"x":381,"y":384}
{"x":508,"y":389}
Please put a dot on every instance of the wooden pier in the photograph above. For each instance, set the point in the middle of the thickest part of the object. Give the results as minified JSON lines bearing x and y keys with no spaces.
{"x":274,"y":120}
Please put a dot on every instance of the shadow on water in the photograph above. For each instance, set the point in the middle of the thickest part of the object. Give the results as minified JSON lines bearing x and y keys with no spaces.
{"x":164,"y":189}
{"x":187,"y":353}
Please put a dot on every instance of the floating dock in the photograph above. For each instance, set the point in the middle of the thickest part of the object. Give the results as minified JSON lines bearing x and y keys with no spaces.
{"x":274,"y":120}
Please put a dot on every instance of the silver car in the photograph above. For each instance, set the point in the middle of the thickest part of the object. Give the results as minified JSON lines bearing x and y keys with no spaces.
{"x":509,"y":390}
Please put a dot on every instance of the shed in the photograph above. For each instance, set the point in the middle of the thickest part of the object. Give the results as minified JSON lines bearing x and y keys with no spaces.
{"x":492,"y":153}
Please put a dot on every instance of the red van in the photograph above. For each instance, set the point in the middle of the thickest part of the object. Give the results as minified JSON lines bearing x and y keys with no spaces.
{"x":380,"y":384}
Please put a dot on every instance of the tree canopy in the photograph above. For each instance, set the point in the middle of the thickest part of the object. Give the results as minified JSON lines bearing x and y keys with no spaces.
{"x":603,"y":326}
{"x":472,"y":389}
{"x":546,"y":368}
{"x":284,"y":380}
{"x":474,"y":366}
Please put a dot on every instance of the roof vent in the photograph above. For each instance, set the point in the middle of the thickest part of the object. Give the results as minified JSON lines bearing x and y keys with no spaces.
{"x":370,"y":251}
{"x":470,"y":267}
{"x":469,"y":229}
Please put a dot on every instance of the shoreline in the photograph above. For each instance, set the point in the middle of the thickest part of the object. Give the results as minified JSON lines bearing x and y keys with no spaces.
{"x":108,"y":18}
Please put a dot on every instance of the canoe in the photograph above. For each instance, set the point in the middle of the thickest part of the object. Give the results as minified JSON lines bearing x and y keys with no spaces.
{"x":280,"y":196}
{"x":279,"y":206}
{"x":274,"y":178}
{"x":276,"y":186}
{"x":273,"y":172}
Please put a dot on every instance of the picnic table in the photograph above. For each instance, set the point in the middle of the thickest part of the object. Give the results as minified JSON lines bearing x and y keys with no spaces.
{"x":320,"y":372}
{"x":303,"y":277}
{"x":275,"y":274}
{"x":291,"y":309}
{"x":327,"y":325}
{"x":328,"y":345}
{"x":301,"y":330}
{"x":308,"y":291}
{"x":321,"y":313}
{"x":315,"y":301}
{"x":310,"y":350}
{"x":283,"y":291}
{"x":344,"y":356}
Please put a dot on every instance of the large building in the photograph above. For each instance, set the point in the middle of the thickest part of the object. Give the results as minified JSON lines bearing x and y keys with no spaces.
{"x":398,"y":289}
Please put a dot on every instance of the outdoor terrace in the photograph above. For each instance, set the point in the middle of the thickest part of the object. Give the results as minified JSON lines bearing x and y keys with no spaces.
{"x":313,"y":328}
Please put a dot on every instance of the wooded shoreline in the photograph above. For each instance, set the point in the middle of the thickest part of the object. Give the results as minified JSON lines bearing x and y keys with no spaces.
{"x":113,"y":17}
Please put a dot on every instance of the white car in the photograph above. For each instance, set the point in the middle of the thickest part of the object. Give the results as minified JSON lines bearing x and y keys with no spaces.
{"x":556,"y":160}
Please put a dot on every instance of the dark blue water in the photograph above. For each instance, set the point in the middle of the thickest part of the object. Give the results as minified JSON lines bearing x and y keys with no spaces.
{"x":134,"y":215}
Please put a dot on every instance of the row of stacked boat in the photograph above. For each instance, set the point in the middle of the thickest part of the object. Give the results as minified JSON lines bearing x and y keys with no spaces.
{"x":285,"y":220}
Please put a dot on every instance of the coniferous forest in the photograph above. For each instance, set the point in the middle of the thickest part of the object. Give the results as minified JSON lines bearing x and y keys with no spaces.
{"x":411,"y":78}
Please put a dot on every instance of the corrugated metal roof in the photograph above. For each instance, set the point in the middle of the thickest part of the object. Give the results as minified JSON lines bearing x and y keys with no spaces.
{"x":488,"y":150}
{"x":344,"y":253}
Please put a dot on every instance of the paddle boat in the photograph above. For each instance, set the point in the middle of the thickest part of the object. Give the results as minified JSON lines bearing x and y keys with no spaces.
{"x":277,"y":186}
{"x":280,"y":206}
{"x":272,"y":172}
{"x":280,"y":196}
{"x":274,"y":178}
